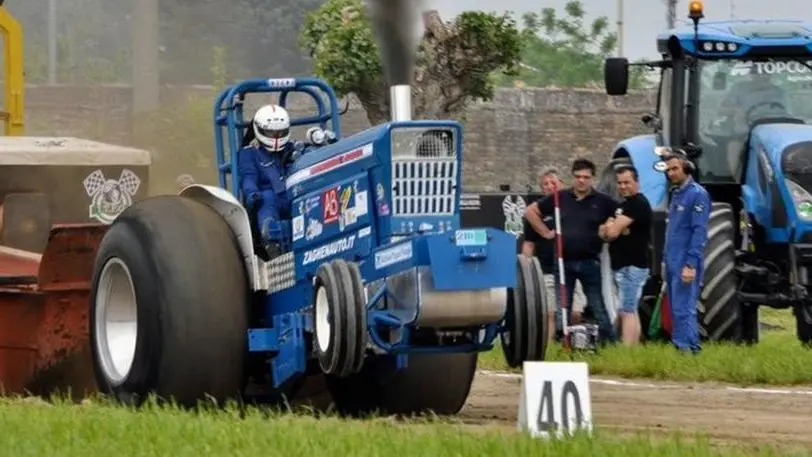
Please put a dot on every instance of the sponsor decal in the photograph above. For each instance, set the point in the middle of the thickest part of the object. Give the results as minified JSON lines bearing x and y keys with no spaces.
{"x":329,"y":250}
{"x":314,"y":229}
{"x":329,"y":201}
{"x":330,"y":164}
{"x":393,"y":255}
{"x":109,"y":197}
{"x":513,"y":208}
{"x":298,"y":227}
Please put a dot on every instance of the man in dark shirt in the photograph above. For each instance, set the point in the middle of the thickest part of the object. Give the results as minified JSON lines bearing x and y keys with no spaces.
{"x":544,"y":249}
{"x":582,"y":210}
{"x":630,"y":231}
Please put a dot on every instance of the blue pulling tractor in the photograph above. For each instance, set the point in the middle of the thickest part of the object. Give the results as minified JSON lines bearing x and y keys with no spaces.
{"x":735,"y":95}
{"x":381,"y":292}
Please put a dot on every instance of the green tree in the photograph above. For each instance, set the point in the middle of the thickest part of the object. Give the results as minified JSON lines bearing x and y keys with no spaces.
{"x":564,"y":51}
{"x":454,"y":65}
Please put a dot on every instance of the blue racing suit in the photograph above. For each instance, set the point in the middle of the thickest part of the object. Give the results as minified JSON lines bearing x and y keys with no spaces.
{"x":686,"y":236}
{"x":262,"y":176}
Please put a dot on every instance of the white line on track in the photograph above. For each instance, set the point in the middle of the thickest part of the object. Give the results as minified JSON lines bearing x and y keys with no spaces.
{"x":615,"y":382}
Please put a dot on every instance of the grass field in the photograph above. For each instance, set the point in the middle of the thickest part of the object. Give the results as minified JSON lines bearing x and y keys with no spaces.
{"x":778,"y":359}
{"x":38,"y":429}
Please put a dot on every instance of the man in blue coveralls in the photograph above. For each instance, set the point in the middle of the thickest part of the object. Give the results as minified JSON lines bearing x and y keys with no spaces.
{"x":263,"y":167}
{"x":686,"y":236}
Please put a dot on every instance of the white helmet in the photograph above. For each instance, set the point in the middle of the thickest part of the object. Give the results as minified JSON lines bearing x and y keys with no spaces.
{"x":272,"y":127}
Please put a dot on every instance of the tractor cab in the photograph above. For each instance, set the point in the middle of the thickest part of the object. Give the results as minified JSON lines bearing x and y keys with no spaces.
{"x":232,"y":129}
{"x":735,"y":96}
{"x":718,"y":82}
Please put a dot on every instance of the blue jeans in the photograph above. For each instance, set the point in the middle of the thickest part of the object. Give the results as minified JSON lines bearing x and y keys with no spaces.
{"x":630,"y":281}
{"x":588,"y":272}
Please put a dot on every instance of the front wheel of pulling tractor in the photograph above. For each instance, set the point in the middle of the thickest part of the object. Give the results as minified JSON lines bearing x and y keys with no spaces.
{"x":436,"y":383}
{"x":525,"y":335}
{"x":339,"y":318}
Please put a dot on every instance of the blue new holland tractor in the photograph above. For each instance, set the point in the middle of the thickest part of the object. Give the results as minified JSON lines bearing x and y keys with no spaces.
{"x":735,"y":95}
{"x":381,"y":292}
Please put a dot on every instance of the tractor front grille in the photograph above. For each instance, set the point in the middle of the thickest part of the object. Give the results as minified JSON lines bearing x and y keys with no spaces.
{"x":424,"y":171}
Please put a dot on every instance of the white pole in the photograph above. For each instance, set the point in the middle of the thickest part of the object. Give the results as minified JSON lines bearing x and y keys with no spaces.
{"x":146,"y":93}
{"x":52,"y":42}
{"x":620,"y":50}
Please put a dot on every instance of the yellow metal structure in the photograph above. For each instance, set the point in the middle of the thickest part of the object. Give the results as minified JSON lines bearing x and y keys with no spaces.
{"x":12,"y":115}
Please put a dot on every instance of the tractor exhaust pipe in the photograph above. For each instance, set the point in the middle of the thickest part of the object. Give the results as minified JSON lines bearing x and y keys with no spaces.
{"x":398,"y":29}
{"x":400,"y":105}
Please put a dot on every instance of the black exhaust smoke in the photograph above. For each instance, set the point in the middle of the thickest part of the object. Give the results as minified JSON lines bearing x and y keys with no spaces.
{"x":396,"y":24}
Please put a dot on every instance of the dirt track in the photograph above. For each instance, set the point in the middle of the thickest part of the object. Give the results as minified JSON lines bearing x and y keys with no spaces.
{"x":727,"y":415}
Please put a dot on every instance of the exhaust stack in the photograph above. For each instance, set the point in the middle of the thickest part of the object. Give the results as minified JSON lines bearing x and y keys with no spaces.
{"x":400,"y":104}
{"x":397,"y":27}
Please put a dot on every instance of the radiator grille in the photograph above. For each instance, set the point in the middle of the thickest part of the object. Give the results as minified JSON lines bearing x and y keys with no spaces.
{"x":424,"y":171}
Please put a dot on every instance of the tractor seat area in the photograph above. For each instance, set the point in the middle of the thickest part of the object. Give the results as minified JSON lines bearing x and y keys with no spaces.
{"x":253,"y":216}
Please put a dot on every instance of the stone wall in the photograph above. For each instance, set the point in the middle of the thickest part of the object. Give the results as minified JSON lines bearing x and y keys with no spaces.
{"x":506,"y":140}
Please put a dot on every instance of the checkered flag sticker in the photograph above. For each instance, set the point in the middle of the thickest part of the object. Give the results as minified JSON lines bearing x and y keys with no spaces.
{"x":129,"y":182}
{"x":94,"y":182}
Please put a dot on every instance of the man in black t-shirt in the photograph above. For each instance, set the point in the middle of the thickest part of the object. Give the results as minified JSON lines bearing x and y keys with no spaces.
{"x":630,"y":232}
{"x":544,"y":249}
{"x":582,"y":209}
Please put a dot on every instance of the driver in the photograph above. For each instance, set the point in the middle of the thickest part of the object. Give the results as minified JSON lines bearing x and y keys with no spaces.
{"x":746,"y":102}
{"x":263,"y":167}
{"x":745,"y":96}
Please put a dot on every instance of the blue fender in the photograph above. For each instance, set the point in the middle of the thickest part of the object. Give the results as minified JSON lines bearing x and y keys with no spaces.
{"x":641,"y":150}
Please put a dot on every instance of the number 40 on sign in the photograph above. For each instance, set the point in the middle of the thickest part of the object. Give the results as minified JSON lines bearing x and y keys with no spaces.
{"x":555,"y":399}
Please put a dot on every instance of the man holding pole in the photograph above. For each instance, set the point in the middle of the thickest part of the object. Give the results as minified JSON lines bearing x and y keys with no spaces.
{"x":544,"y":250}
{"x":581,"y":210}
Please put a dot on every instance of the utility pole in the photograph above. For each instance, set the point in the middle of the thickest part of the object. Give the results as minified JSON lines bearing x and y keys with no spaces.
{"x":671,"y":16}
{"x":52,"y":32}
{"x":620,"y":50}
{"x":145,"y":56}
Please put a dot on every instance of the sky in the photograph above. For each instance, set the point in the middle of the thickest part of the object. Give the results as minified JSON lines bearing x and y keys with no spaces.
{"x":643,"y":19}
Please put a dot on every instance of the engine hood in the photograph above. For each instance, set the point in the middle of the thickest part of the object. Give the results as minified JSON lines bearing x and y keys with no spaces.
{"x":783,"y":188}
{"x":774,"y":139}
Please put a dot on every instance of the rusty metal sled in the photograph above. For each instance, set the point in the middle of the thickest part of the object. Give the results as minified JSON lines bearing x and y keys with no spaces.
{"x":43,"y":313}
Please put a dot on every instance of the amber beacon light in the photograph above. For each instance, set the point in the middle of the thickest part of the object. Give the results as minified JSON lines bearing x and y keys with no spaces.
{"x":696,"y":10}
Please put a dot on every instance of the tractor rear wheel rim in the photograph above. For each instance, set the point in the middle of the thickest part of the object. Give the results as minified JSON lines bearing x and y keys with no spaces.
{"x":116,"y":320}
{"x":323,"y":330}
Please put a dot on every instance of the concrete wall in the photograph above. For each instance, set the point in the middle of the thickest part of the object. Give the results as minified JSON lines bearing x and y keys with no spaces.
{"x":506,"y":140}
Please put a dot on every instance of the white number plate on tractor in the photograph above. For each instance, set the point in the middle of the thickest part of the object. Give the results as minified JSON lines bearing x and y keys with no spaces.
{"x":471,"y":238}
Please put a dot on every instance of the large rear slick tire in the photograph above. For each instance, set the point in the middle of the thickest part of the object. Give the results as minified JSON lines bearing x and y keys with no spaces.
{"x":169,"y":304}
{"x":431,"y":383}
{"x":525,"y":333}
{"x":719,"y":311}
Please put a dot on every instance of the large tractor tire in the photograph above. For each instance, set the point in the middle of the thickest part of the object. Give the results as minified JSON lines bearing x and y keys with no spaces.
{"x":169,"y":305}
{"x":526,"y":327}
{"x":431,"y":383}
{"x":719,"y":311}
{"x":803,"y":324}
